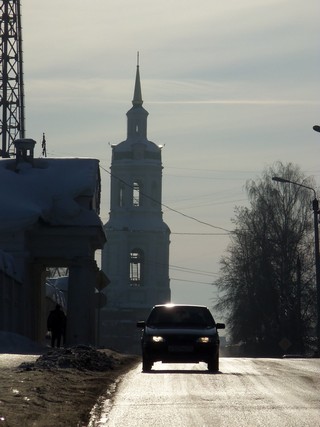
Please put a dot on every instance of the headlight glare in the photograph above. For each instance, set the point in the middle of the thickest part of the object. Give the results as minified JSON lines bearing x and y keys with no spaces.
{"x":156,"y":338}
{"x":204,"y":340}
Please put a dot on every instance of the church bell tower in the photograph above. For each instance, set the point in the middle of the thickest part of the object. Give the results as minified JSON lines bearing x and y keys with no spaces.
{"x":136,"y":255}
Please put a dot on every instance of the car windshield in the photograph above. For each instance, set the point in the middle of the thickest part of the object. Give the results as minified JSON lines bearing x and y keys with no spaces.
{"x":182,"y":317}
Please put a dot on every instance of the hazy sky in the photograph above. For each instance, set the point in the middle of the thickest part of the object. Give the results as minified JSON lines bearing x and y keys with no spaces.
{"x":230,"y":87}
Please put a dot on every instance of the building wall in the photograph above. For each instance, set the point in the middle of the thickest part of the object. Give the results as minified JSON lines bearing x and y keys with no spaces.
{"x":49,"y":218}
{"x":11,"y":304}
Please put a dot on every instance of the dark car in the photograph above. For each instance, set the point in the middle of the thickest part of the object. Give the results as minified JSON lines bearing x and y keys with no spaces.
{"x":182,"y":334}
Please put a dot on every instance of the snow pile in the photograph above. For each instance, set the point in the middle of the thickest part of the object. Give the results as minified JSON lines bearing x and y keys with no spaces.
{"x":79,"y":357}
{"x":11,"y":343}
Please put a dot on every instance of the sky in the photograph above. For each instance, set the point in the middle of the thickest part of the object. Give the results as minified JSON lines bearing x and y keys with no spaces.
{"x":230,"y":87}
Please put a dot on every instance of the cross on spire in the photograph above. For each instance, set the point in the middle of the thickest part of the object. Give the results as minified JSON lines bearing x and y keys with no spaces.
{"x":137,"y":96}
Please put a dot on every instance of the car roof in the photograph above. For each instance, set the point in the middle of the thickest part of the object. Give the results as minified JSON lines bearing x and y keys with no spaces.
{"x":180,"y":305}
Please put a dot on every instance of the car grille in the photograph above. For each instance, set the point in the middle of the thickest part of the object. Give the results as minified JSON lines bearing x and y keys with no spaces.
{"x":180,"y":339}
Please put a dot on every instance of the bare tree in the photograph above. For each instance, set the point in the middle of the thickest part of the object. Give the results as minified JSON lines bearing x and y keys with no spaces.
{"x":267,"y":276}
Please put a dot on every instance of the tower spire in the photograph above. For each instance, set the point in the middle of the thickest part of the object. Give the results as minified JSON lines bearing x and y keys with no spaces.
{"x":137,"y":96}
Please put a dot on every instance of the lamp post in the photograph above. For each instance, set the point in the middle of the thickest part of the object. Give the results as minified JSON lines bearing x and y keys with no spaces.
{"x":315,"y":207}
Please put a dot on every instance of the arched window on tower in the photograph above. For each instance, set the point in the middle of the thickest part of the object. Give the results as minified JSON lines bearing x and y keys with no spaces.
{"x":121,"y":196}
{"x":136,"y":267}
{"x":136,"y":199}
{"x":154,"y":194}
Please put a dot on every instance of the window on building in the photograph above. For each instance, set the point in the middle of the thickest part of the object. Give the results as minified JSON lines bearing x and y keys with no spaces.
{"x":136,"y":268}
{"x":121,"y":196}
{"x":136,"y":194}
{"x":154,"y":194}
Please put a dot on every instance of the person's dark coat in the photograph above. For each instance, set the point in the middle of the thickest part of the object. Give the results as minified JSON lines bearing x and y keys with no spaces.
{"x":56,"y":324}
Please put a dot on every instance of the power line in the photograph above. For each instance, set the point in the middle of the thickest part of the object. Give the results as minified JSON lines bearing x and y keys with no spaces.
{"x":187,"y":270}
{"x":202,"y":234}
{"x":191,"y":281}
{"x":168,"y":207}
{"x":192,"y":270}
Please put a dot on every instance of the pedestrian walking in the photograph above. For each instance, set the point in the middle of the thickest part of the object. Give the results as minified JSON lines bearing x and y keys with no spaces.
{"x":56,"y":324}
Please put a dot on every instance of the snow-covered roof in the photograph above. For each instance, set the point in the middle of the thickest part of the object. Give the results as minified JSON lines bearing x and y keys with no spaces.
{"x":54,"y":291}
{"x":8,"y":266}
{"x":60,"y":282}
{"x":47,"y":191}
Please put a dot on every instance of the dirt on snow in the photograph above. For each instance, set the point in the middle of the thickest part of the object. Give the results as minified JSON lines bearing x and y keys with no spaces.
{"x":61,"y":387}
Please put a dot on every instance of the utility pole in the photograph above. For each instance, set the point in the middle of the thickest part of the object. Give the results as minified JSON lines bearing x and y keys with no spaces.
{"x":11,"y":76}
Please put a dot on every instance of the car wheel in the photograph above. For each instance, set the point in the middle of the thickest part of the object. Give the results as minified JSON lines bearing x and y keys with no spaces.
{"x":213,"y":364}
{"x":146,"y":364}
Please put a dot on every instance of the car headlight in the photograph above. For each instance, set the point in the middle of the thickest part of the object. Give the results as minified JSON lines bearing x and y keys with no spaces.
{"x":204,"y":340}
{"x":156,"y":338}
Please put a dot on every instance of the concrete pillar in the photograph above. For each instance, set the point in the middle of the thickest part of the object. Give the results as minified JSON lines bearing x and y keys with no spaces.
{"x":36,"y":321}
{"x":38,"y":293}
{"x":81,"y":303}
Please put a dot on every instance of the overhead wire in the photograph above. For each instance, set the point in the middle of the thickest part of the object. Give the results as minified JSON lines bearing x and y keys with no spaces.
{"x":168,"y":207}
{"x":182,"y":269}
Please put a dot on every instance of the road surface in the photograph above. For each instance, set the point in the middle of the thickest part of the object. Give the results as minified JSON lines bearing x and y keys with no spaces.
{"x":245,"y":393}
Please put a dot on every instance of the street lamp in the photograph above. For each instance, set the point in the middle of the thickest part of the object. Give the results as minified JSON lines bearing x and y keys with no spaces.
{"x":315,"y":207}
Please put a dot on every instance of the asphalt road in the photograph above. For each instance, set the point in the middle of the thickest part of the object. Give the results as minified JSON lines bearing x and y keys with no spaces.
{"x":246,"y":392}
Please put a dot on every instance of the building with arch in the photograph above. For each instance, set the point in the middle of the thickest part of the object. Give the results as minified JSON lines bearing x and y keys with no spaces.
{"x":49,"y":218}
{"x":136,"y":255}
